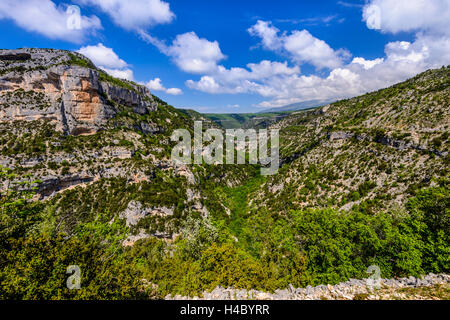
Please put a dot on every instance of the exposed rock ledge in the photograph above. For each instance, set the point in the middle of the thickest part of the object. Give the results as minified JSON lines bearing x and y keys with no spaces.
{"x":136,"y":211}
{"x":74,"y":97}
{"x":387,"y":141}
{"x":349,"y":290}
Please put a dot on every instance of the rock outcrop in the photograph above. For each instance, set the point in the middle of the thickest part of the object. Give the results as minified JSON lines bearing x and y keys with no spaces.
{"x":352,"y":289}
{"x":66,"y":88}
{"x":136,"y":211}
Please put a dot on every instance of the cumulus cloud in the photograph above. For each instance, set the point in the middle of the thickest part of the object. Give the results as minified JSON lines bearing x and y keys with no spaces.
{"x":305,"y":48}
{"x":126,"y":74}
{"x":402,"y":59}
{"x":208,"y":84}
{"x":103,"y":56}
{"x":240,"y":80}
{"x":349,"y":4}
{"x":106,"y":59}
{"x":174,"y":91}
{"x":268,"y":34}
{"x":367,"y":64}
{"x":156,"y":85}
{"x":282,"y":83}
{"x":300,"y":45}
{"x":134,"y":14}
{"x":190,"y":53}
{"x":408,"y":15}
{"x":45,"y":18}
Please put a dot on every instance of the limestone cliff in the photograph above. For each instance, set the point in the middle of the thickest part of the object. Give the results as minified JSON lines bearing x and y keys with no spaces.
{"x":66,"y":88}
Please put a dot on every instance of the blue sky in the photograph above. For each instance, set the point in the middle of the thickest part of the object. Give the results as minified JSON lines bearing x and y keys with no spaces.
{"x":242,"y":56}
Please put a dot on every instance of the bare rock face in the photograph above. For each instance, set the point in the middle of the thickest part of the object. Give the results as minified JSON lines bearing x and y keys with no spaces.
{"x":136,"y":211}
{"x":43,"y":83}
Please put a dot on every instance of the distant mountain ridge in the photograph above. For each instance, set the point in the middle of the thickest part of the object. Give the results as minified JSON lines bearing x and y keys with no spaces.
{"x":298,"y":106}
{"x":245,"y":120}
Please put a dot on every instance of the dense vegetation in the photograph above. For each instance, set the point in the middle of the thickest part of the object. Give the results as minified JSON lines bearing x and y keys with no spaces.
{"x":263,"y":251}
{"x":34,"y":255}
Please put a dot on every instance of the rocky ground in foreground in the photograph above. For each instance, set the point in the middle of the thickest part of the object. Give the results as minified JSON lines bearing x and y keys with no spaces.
{"x":429,"y":287}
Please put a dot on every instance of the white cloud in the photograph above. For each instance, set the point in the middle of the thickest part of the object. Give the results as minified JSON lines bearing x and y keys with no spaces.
{"x":121,"y":74}
{"x":44,"y":17}
{"x":240,"y":80}
{"x":256,"y":71}
{"x":301,"y":46}
{"x":282,"y":84}
{"x":367,"y":64}
{"x":268,"y":34}
{"x":106,"y":59}
{"x":402,"y":60}
{"x":174,"y":91}
{"x":103,"y":56}
{"x":191,"y":53}
{"x":156,"y":85}
{"x":208,"y":84}
{"x":394,"y":16}
{"x":306,"y":48}
{"x":266,"y":69}
{"x":134,"y":14}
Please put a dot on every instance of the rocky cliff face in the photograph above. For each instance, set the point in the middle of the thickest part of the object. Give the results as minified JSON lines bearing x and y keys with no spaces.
{"x":64,"y":87}
{"x":71,"y":128}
